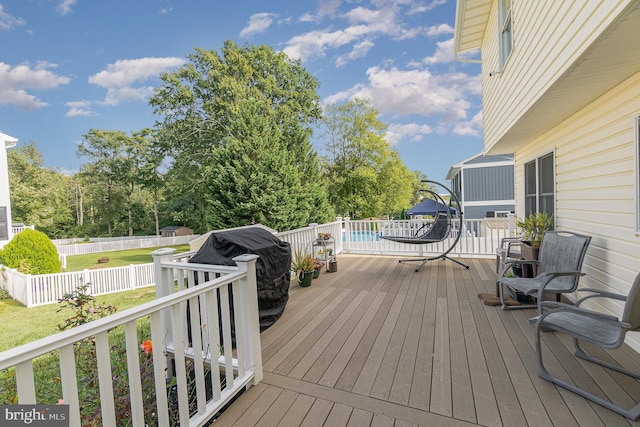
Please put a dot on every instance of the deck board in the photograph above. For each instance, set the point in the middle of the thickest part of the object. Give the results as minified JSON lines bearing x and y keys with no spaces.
{"x":379,"y":344}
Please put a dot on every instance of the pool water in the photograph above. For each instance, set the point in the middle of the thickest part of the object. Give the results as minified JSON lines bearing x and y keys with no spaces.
{"x":362,"y":236}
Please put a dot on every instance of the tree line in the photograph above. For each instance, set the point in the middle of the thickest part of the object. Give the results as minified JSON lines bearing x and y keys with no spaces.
{"x":232,"y":146}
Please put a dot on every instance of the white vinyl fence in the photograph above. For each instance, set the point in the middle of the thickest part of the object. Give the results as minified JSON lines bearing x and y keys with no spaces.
{"x":34,"y":290}
{"x":69,"y":247}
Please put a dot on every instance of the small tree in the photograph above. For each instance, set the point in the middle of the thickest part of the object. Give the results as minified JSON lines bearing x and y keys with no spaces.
{"x":31,"y":252}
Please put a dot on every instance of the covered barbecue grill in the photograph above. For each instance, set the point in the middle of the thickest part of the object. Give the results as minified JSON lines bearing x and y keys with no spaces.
{"x":273,"y":267}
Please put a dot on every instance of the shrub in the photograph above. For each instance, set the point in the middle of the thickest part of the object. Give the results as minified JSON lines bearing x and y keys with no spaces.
{"x":31,"y":252}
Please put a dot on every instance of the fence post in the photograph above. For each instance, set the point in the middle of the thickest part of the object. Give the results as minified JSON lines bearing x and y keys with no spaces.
{"x":29,"y":293}
{"x":132,"y":276}
{"x":249,"y":303}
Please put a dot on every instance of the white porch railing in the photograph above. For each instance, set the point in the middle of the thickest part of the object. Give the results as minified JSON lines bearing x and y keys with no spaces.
{"x":210,"y":312}
{"x":18,"y":228}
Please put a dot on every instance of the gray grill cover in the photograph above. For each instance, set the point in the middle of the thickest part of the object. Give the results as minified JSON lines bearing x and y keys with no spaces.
{"x":273,"y":267}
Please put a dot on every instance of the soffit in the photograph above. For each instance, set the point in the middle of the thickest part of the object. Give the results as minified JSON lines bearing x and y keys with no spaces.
{"x":471,"y":21}
{"x":613,"y":58}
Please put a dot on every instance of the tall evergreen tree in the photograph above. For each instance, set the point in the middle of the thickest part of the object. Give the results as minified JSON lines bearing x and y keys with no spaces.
{"x":200,"y":105}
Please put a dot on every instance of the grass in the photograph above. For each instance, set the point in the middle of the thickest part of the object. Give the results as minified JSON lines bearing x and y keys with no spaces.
{"x":116,"y":258}
{"x":43,"y":320}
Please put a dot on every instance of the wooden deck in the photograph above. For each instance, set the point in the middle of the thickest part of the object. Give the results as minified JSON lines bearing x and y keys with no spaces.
{"x":377,"y":344}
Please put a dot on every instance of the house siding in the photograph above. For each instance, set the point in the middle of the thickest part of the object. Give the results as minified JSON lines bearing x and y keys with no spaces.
{"x":548,"y":39}
{"x":492,"y":183}
{"x":595,"y":190}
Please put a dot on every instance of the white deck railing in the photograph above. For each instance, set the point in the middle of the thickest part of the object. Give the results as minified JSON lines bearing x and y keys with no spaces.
{"x":479,"y":238}
{"x":211,"y":313}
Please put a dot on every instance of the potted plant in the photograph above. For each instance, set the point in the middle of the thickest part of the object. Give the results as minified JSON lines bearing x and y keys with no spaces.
{"x":302,"y":265}
{"x":533,"y":227}
{"x":317,"y":266}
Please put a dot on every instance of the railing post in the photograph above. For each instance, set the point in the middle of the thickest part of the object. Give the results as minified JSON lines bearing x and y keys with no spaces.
{"x":338,"y":235}
{"x":347,"y":235}
{"x":164,"y":287}
{"x":249,"y":303}
{"x":511,"y":219}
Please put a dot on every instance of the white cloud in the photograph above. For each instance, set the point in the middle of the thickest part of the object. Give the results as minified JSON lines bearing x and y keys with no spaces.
{"x":258,"y":23}
{"x":120,"y":77}
{"x":9,"y":22}
{"x":65,"y":6}
{"x":15,"y":81}
{"x":438,"y":30}
{"x":307,"y":17}
{"x":79,"y":108}
{"x":364,"y":26}
{"x":116,"y":95}
{"x":359,"y":50}
{"x":328,"y":8}
{"x":417,"y":92}
{"x":472,"y":127}
{"x":443,"y":54}
{"x":413,"y":131}
{"x":127,"y":71}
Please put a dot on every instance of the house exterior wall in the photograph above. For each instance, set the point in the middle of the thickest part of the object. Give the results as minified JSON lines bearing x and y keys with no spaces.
{"x":549,"y":38}
{"x":5,"y":197}
{"x":595,"y":188}
{"x":595,"y":160}
{"x":490,"y":183}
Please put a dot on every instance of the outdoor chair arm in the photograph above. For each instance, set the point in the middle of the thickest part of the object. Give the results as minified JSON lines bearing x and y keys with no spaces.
{"x":598,"y":293}
{"x":552,"y":275}
{"x":568,"y":307}
{"x":510,"y":264}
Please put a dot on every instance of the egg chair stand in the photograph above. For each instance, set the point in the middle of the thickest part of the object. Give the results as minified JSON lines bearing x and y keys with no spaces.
{"x":436,"y":231}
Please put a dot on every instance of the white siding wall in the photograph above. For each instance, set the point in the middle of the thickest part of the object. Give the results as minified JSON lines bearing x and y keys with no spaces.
{"x":548,"y":36}
{"x":595,"y":186}
{"x":5,"y":199}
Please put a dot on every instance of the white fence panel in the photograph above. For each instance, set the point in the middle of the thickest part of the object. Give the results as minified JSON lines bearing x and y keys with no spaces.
{"x":69,"y":247}
{"x":34,"y":290}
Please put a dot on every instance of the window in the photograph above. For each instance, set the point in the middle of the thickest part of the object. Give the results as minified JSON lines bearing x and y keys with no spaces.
{"x":506,"y":33}
{"x":637,"y":137}
{"x":539,"y":179}
{"x":4,"y":231}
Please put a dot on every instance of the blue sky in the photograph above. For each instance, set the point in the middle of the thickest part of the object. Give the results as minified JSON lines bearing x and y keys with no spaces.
{"x":67,"y":66}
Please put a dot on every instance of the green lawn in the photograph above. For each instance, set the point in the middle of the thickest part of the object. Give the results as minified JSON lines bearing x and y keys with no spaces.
{"x":21,"y":325}
{"x":116,"y":258}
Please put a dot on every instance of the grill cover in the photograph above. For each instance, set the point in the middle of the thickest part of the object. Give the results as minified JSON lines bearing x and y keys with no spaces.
{"x":273,"y":267}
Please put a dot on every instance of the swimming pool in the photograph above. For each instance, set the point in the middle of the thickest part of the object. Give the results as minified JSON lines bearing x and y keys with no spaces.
{"x":362,"y":236}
